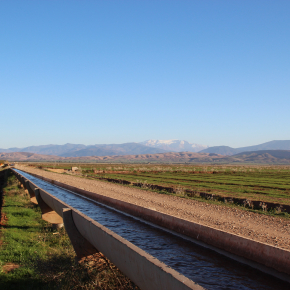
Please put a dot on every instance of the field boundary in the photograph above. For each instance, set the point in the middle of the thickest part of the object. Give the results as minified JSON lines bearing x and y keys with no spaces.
{"x":257,"y":204}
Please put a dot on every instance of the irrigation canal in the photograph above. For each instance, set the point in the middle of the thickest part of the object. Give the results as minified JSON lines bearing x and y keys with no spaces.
{"x":204,"y":266}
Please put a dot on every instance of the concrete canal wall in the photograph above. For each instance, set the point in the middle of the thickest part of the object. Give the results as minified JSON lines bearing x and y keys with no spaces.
{"x":88,"y":237}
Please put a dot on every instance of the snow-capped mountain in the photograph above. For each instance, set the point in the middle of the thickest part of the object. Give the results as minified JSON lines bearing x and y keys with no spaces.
{"x":174,"y":145}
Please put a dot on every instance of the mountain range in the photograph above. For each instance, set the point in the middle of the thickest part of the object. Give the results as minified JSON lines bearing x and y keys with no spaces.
{"x":78,"y":150}
{"x":226,"y":150}
{"x":146,"y":147}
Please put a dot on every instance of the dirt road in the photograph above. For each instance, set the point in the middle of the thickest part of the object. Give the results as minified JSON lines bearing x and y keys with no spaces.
{"x":267,"y":229}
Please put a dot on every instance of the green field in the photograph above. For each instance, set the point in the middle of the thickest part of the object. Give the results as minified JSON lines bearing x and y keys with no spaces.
{"x":256,"y":183}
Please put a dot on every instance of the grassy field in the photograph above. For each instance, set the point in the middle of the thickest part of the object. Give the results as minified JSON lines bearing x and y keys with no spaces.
{"x":266,"y":183}
{"x":33,"y":256}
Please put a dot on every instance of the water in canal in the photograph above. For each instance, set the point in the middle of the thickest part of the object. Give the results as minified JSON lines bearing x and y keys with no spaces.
{"x":204,"y":266}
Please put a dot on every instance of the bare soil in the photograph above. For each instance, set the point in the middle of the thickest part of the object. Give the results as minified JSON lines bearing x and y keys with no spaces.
{"x":263,"y":228}
{"x":9,"y":267}
{"x":56,"y":170}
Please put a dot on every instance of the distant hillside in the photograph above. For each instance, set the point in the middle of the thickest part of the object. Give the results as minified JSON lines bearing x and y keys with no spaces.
{"x":223,"y":150}
{"x":265,"y":156}
{"x":129,"y":152}
{"x":174,"y":145}
{"x":181,"y":157}
{"x":48,"y":149}
{"x":76,"y":150}
{"x":114,"y":149}
{"x":272,"y":145}
{"x":25,"y":156}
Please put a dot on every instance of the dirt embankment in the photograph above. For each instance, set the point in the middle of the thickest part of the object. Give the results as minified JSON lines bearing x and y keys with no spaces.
{"x":266,"y":229}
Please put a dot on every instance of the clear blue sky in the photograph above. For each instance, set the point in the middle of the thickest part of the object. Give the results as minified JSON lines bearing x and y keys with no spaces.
{"x":90,"y":72}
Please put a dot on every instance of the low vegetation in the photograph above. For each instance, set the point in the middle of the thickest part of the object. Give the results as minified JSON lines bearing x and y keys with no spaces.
{"x":268,"y":184}
{"x":33,"y":256}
